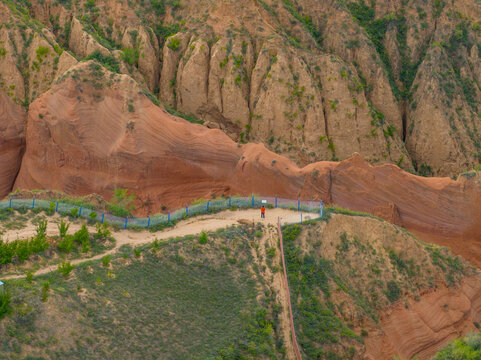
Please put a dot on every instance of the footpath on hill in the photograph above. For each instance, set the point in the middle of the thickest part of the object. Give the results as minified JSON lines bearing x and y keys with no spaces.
{"x":190,"y":226}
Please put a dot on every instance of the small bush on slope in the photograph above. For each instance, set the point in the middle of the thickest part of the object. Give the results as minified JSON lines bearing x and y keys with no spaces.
{"x":467,"y":348}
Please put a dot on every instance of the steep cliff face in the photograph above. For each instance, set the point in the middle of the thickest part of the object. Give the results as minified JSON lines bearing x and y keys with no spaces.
{"x":96,"y":130}
{"x":354,"y":275}
{"x":313,"y":80}
{"x":12,"y":142}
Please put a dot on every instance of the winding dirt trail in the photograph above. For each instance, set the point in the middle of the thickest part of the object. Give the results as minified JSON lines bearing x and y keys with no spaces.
{"x":191,"y":226}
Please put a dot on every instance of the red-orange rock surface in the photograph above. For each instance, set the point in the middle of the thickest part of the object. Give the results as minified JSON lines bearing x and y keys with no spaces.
{"x":12,"y":142}
{"x":423,"y":327}
{"x":83,"y":140}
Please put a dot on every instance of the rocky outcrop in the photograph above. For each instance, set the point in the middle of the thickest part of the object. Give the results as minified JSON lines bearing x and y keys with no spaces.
{"x":423,"y":326}
{"x":12,"y":142}
{"x":114,"y":136}
{"x":82,"y":43}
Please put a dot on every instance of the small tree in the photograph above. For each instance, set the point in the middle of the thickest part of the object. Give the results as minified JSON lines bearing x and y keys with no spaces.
{"x":22,"y":250}
{"x":65,"y":268}
{"x":122,"y":203}
{"x":106,"y":260}
{"x":74,"y":212}
{"x":103,"y":231}
{"x":45,"y":290}
{"x":65,"y":244}
{"x":4,"y":303}
{"x":82,"y":237}
{"x":42,"y":228}
{"x":63,"y":228}
{"x":203,"y":237}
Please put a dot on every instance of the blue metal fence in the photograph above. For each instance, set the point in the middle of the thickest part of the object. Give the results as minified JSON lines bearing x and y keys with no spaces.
{"x":204,"y":207}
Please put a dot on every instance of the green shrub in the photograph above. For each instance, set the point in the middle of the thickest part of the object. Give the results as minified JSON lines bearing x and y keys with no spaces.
{"x":45,"y":290}
{"x":93,"y":216}
{"x":158,"y":6}
{"x":42,"y":228}
{"x":74,"y":212}
{"x":467,"y":348}
{"x":137,"y":252}
{"x":82,"y":235}
{"x":393,"y":292}
{"x":63,"y":228}
{"x":164,"y":31}
{"x":29,"y":276}
{"x":7,"y":251}
{"x":103,"y":231}
{"x":203,"y":237}
{"x":51,"y":207}
{"x":66,"y":243}
{"x":65,"y":268}
{"x":174,"y":43}
{"x":108,"y":61}
{"x":122,"y":203}
{"x":22,"y":250}
{"x":106,"y":260}
{"x":38,"y":244}
{"x":130,"y":55}
{"x":5,"y":301}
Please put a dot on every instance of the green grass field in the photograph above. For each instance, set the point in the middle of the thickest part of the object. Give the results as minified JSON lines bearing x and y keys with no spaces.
{"x":180,"y":300}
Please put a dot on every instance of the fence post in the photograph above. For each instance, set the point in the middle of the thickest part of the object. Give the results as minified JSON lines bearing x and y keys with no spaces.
{"x":80,"y":212}
{"x":298,"y":204}
{"x":322,"y":207}
{"x":148,"y":222}
{"x":10,"y":203}
{"x":56,"y":207}
{"x":102,"y":218}
{"x":276,"y":201}
{"x":33,"y":202}
{"x":125,"y":227}
{"x":301,"y":218}
{"x":187,"y":210}
{"x":168,"y":217}
{"x":252,"y":200}
{"x":229,"y":202}
{"x":207,"y":205}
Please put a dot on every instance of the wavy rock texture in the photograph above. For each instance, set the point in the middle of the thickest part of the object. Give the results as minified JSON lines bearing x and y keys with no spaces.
{"x":421,"y":328}
{"x":82,"y":139}
{"x":396,"y":82}
{"x":439,"y":295}
{"x":12,"y":142}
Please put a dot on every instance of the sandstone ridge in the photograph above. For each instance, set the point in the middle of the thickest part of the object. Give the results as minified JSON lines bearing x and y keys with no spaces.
{"x":81,"y":140}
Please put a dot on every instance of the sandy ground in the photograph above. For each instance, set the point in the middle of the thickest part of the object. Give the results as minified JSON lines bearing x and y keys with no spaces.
{"x":189,"y":226}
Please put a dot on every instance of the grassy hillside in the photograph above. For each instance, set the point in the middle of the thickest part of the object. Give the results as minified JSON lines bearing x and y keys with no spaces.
{"x":344,"y":272}
{"x":189,"y":298}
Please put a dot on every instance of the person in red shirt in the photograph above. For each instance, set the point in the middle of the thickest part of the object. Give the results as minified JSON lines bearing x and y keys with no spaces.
{"x":263,"y":212}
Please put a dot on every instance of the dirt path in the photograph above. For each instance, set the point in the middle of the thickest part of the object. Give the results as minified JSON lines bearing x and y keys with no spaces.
{"x":189,"y":226}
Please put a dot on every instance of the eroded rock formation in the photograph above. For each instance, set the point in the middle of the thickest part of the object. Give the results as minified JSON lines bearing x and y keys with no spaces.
{"x":93,"y":135}
{"x":12,"y":142}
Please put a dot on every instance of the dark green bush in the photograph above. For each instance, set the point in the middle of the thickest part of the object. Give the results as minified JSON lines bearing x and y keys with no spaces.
{"x":4,"y":303}
{"x":203,"y":238}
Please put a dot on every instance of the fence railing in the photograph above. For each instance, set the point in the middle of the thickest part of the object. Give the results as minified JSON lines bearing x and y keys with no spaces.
{"x":205,"y":207}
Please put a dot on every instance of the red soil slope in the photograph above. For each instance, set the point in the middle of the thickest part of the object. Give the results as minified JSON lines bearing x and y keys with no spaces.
{"x":83,"y":140}
{"x":12,"y":142}
{"x":423,"y":327}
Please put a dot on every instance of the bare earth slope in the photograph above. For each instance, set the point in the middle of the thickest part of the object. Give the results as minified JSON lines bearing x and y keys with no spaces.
{"x":12,"y":142}
{"x":81,"y":141}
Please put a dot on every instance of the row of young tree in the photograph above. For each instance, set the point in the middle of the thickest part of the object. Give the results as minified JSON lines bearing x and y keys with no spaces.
{"x":21,"y":250}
